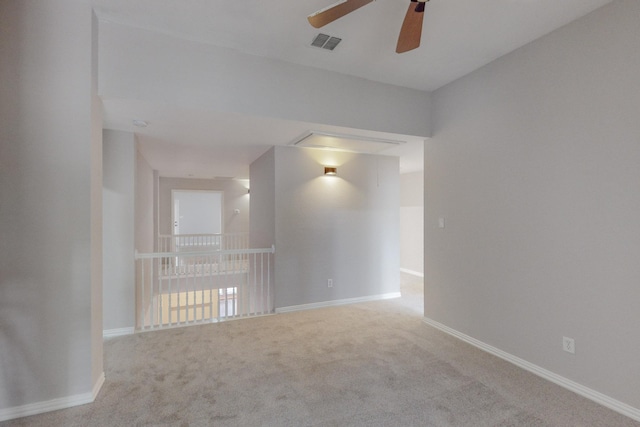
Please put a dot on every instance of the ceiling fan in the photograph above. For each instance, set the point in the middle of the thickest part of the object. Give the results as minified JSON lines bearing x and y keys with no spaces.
{"x":410,"y":32}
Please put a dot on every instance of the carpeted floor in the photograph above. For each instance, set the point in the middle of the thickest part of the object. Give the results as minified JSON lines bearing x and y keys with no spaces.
{"x":369,"y":364}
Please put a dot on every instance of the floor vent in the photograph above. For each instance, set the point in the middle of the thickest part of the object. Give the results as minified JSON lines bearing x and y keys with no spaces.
{"x":325,"y":41}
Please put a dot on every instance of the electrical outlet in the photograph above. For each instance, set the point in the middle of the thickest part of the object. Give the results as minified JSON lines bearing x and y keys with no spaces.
{"x":569,"y":345}
{"x":330,"y":283}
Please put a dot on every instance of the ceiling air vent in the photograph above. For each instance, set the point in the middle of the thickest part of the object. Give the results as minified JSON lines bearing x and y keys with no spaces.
{"x":325,"y":41}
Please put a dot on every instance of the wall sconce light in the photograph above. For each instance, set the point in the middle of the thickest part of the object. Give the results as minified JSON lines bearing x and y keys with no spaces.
{"x":329,"y":170}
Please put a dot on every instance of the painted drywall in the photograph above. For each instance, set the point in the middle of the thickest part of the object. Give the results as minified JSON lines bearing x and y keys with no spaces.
{"x":149,"y":66}
{"x":412,"y":222}
{"x":534,"y":164}
{"x":145,"y":185}
{"x":119,"y":177}
{"x":49,"y":150}
{"x":262,"y":221}
{"x":235,"y":197}
{"x":343,"y":228}
{"x":97,"y":366}
{"x":262,"y":229}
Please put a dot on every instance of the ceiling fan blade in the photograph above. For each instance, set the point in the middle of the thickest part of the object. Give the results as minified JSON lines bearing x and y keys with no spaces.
{"x":335,"y":11}
{"x":411,"y":31}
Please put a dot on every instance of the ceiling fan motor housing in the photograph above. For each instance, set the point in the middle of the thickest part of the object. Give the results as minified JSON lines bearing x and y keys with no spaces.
{"x":420,"y":5}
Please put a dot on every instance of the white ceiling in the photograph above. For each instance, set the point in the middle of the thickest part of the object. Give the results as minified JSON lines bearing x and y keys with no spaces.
{"x":459,"y":36}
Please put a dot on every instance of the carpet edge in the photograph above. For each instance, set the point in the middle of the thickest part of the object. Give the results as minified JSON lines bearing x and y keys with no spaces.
{"x":593,"y":395}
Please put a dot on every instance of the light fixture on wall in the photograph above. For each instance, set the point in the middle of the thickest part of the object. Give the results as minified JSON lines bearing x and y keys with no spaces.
{"x":330,"y":170}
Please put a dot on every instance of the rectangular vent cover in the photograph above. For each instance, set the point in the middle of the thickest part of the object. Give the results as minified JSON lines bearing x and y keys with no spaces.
{"x":343,"y":142}
{"x":325,"y":41}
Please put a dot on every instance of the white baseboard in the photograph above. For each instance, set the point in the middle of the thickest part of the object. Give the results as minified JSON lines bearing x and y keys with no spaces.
{"x":52,"y":405}
{"x":110,"y":333}
{"x":596,"y":396}
{"x":338,"y":302}
{"x":413,"y":273}
{"x":98,"y":386}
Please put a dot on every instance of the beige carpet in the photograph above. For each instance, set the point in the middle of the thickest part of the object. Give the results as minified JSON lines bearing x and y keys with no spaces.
{"x":370,"y":364}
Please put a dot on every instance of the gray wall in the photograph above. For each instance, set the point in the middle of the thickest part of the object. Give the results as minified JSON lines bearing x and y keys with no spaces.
{"x":97,"y":373}
{"x":343,"y":228}
{"x":412,"y":222}
{"x":128,"y":224}
{"x":262,"y":222}
{"x":145,"y":206}
{"x":534,"y":163}
{"x":119,"y":171}
{"x":147,"y":65}
{"x":262,"y":230}
{"x":50,"y":214}
{"x":235,"y":197}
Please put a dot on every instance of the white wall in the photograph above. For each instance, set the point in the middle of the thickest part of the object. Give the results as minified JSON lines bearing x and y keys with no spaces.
{"x":50,"y":187}
{"x":412,"y":222}
{"x":119,"y":171}
{"x":343,"y":228}
{"x":534,"y":163}
{"x":149,"y":66}
{"x":235,"y":197}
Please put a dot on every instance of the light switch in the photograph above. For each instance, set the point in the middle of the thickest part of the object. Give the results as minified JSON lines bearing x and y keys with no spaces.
{"x":440,"y":222}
